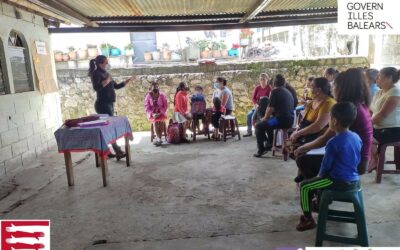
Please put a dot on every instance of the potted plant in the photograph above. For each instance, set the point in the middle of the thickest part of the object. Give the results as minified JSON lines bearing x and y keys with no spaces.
{"x":224,"y":50}
{"x":166,"y":51}
{"x":193,"y":49}
{"x":82,"y":53}
{"x":176,"y":55}
{"x":234,"y":50}
{"x":147,"y":56}
{"x":72,"y":53}
{"x":58,"y":56}
{"x":129,"y":50}
{"x":204,"y":48}
{"x":92,"y":50}
{"x":156,"y":55}
{"x":245,"y":35}
{"x":105,"y":49}
{"x":65,"y":57}
{"x":115,"y":51}
{"x":215,"y":49}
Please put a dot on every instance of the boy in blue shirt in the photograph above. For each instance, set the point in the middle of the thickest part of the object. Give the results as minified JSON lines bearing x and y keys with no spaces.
{"x":339,"y":166}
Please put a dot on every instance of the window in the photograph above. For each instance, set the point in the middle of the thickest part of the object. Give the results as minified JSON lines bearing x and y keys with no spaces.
{"x":3,"y":79}
{"x":20,"y":63}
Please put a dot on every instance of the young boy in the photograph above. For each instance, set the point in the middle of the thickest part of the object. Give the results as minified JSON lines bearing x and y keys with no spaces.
{"x":198,"y":96}
{"x":198,"y":106}
{"x":339,"y":166}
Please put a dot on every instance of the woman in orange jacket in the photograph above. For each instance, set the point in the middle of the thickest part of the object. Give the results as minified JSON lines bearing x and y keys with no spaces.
{"x":182,"y":113}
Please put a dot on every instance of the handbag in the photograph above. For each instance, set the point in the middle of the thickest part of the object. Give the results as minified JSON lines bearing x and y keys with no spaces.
{"x":173,"y":132}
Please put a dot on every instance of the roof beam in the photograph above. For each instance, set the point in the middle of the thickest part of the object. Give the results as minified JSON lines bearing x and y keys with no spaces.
{"x":68,"y":12}
{"x":253,"y":11}
{"x":35,"y":9}
{"x":265,"y":19}
{"x":301,"y":20}
{"x":205,"y":18}
{"x":164,"y":18}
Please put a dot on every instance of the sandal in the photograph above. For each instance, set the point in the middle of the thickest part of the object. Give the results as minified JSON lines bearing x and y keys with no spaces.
{"x":305,"y":224}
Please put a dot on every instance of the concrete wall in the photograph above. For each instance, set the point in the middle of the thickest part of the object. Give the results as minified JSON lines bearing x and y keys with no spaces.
{"x":27,"y":120}
{"x":78,"y":97}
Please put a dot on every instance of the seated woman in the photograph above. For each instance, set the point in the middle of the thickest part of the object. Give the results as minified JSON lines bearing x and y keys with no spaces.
{"x":386,"y":109}
{"x":182,"y":114}
{"x":316,"y":115}
{"x":225,"y":94}
{"x":331,"y":74}
{"x":349,"y":86}
{"x":261,"y":90}
{"x":307,"y":96}
{"x":156,"y":106}
{"x":217,"y":111}
{"x":279,"y":114}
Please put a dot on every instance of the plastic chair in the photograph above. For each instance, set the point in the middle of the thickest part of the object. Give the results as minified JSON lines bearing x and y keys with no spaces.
{"x":198,"y":109}
{"x":357,"y":217}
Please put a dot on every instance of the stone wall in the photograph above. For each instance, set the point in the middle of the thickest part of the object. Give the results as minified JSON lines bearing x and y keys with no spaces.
{"x":77,"y":96}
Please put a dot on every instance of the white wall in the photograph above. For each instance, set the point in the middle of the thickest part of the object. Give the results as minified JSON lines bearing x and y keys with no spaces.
{"x":27,"y":120}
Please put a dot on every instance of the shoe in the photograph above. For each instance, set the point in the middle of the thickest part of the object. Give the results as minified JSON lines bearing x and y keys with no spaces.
{"x":268,"y":146}
{"x":157,"y":143}
{"x":111,"y":155}
{"x":185,"y":141}
{"x":305,"y":224}
{"x":260,"y":153}
{"x":299,"y":179}
{"x":120,"y":155}
{"x":248,"y":134}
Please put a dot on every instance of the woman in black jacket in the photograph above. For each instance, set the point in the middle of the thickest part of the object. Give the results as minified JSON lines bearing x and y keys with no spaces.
{"x":105,"y":87}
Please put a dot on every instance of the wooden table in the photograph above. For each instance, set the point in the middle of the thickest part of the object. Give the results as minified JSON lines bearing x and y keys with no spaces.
{"x":93,"y":139}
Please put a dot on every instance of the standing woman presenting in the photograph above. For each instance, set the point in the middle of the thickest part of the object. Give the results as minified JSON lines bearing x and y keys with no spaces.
{"x":105,"y":87}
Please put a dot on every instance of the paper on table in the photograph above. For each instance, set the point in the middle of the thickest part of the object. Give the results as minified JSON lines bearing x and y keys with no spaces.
{"x":316,"y":151}
{"x":93,"y":123}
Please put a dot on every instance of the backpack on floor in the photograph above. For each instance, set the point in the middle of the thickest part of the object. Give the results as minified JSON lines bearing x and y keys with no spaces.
{"x":173,"y":132}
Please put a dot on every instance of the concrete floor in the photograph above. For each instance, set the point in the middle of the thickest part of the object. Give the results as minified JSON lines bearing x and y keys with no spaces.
{"x":205,"y":195}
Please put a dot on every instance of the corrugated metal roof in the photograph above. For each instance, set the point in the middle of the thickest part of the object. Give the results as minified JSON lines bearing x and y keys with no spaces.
{"x":279,"y":5}
{"x":106,"y":8}
{"x":167,"y":15}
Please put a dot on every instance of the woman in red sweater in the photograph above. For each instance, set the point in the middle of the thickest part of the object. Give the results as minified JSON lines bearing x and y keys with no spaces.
{"x":263,"y":89}
{"x":182,"y":113}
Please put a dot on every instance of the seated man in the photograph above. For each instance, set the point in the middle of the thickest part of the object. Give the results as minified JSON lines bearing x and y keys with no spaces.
{"x":339,"y":168}
{"x":279,"y":114}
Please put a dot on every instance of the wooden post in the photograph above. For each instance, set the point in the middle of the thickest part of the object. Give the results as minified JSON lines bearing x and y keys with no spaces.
{"x":69,"y":168}
{"x":104,"y":169}
{"x":96,"y":157}
{"x":128,"y":152}
{"x":396,"y":153}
